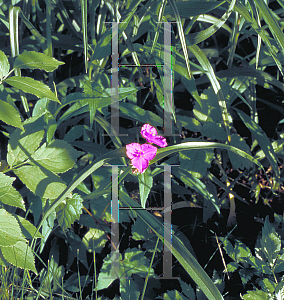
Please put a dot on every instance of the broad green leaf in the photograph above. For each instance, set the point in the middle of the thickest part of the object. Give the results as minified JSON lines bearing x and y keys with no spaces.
{"x":267,"y":285}
{"x":129,"y":287}
{"x":209,"y":111}
{"x":145,"y":184}
{"x":43,"y":183}
{"x":214,"y":131}
{"x":258,"y":264}
{"x":70,"y":211}
{"x":28,"y":229}
{"x":196,"y":161}
{"x":10,"y":231}
{"x":4,"y":65}
{"x":187,"y":289}
{"x":31,"y":86}
{"x":256,"y":295}
{"x":10,"y":115}
{"x":270,"y":242}
{"x":8,"y":194}
{"x":134,"y":262}
{"x":140,"y":114}
{"x":190,"y":123}
{"x":140,"y":231}
{"x":238,"y":252}
{"x":40,"y":107}
{"x":35,"y":60}
{"x":237,"y":161}
{"x":246,"y":274}
{"x":58,"y":156}
{"x":20,"y":143}
{"x":20,"y":255}
{"x":262,"y":140}
{"x":95,"y":239}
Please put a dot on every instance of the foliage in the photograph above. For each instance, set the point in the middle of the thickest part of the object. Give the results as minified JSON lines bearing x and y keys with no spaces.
{"x":64,"y":160}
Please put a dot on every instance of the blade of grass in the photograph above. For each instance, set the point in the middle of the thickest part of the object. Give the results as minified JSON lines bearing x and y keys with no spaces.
{"x":195,"y":38}
{"x":272,"y":23}
{"x":204,"y":62}
{"x":184,"y":48}
{"x":14,"y":43}
{"x":185,"y":258}
{"x":84,"y":7}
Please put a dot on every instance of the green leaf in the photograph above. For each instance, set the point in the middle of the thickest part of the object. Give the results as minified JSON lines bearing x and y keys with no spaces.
{"x":75,"y":242}
{"x":185,"y":258}
{"x":140,"y":114}
{"x":214,"y":131}
{"x":35,"y":60}
{"x":145,"y":184}
{"x":196,"y":184}
{"x":173,"y":295}
{"x":10,"y":231}
{"x":134,"y":262}
{"x":70,"y":211}
{"x":206,"y":65}
{"x":237,"y":161}
{"x":20,"y":255}
{"x":129,"y":287}
{"x":4,"y":65}
{"x":20,"y":143}
{"x":8,"y":194}
{"x":187,"y":289}
{"x":58,"y":156}
{"x":256,"y":295}
{"x":262,"y":140}
{"x":197,"y":161}
{"x":270,"y":242}
{"x":246,"y":274}
{"x":272,"y":23}
{"x":140,"y":231}
{"x":92,"y":94}
{"x":10,"y":115}
{"x":31,"y":86}
{"x":43,"y":183}
{"x":267,"y":285}
{"x":95,"y":239}
{"x":232,"y":267}
{"x":195,"y":8}
{"x":28,"y":229}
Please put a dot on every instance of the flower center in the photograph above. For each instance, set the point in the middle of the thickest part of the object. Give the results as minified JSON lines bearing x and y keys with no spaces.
{"x":140,"y":153}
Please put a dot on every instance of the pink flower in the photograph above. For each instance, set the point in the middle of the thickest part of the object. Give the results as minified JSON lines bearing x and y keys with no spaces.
{"x":140,"y":155}
{"x":151,"y":135}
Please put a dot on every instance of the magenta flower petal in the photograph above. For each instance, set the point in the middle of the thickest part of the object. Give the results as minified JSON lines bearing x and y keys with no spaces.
{"x":133,"y":150}
{"x":140,"y":163}
{"x":148,"y":130}
{"x":140,"y":155}
{"x":149,"y":151}
{"x":151,"y":135}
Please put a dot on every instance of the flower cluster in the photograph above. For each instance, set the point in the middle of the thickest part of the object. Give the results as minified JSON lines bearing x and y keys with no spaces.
{"x":140,"y":155}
